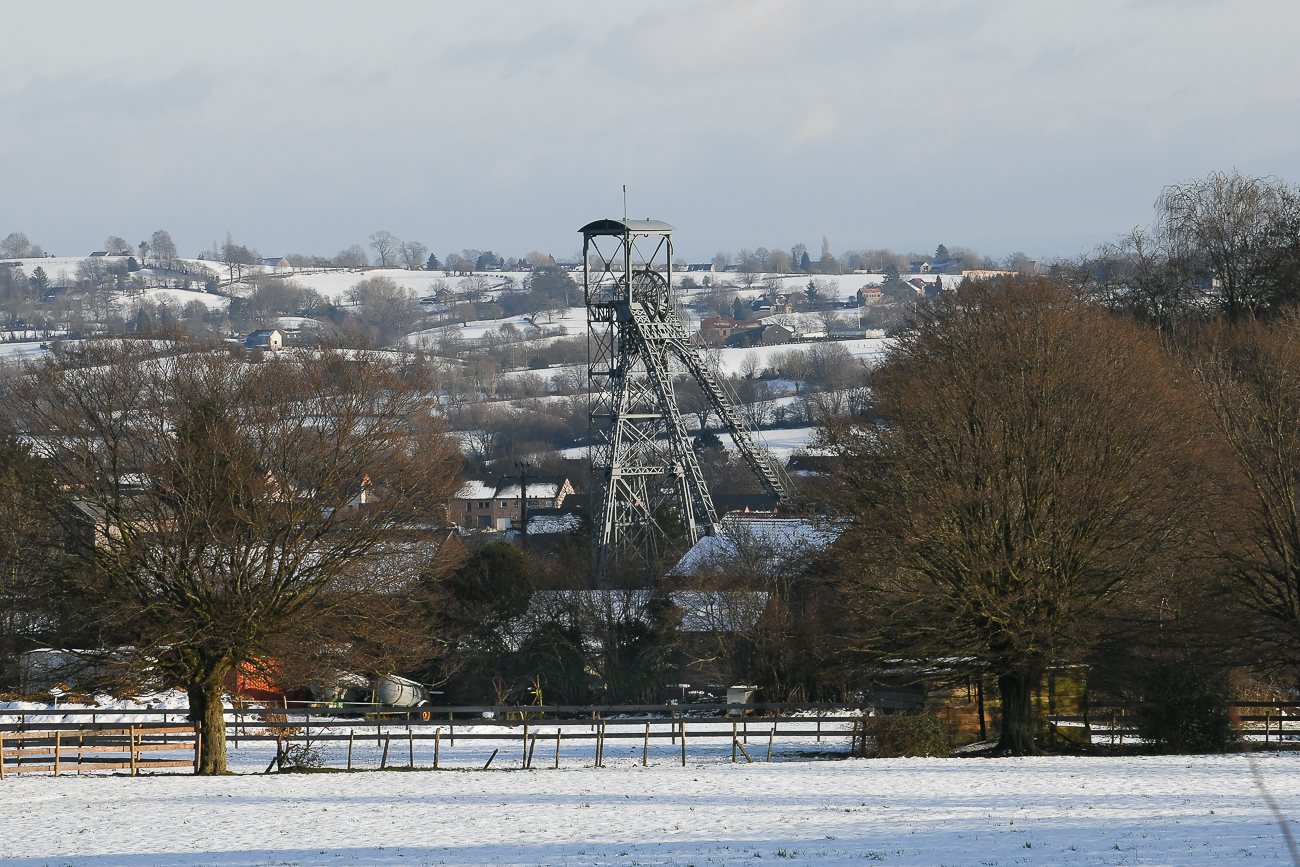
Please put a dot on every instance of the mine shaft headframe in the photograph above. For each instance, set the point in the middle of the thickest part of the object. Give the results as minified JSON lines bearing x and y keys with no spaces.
{"x":645,"y":472}
{"x":637,"y":439}
{"x":636,"y":246}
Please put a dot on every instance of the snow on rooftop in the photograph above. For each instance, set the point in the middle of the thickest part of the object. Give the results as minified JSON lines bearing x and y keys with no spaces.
{"x":553,"y":523}
{"x":474,"y":489}
{"x":776,"y":537}
{"x":536,"y":490}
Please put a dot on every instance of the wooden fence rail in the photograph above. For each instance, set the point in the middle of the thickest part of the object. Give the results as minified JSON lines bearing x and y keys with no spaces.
{"x":100,"y":749}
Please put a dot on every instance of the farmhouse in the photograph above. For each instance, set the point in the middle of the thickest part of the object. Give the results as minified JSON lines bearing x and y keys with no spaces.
{"x":265,"y":338}
{"x":495,"y":504}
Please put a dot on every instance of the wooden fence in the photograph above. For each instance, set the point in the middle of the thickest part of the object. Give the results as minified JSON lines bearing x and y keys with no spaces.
{"x":31,"y":740}
{"x":1116,"y":722}
{"x":97,"y":749}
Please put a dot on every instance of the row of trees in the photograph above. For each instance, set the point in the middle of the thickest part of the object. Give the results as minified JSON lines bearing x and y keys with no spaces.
{"x":798,"y":261}
{"x":1228,"y":245}
{"x":1033,"y":478}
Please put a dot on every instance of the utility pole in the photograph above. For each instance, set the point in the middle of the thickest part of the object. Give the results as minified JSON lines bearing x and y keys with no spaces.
{"x":523,"y":497}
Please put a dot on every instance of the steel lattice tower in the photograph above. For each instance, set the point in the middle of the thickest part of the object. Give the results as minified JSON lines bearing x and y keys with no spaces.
{"x":645,"y":475}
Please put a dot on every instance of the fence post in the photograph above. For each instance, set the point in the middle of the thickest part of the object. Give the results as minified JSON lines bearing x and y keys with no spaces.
{"x":383,"y":760}
{"x":558,"y":732}
{"x":410,"y":738}
{"x":2,"y":755}
{"x":198,"y":745}
{"x":733,"y":743}
{"x":437,"y":742}
{"x":770,"y":738}
{"x":58,"y":756}
{"x":645,"y":750}
{"x":819,"y":725}
{"x":683,"y":742}
{"x":525,"y":758}
{"x":132,"y":734}
{"x":352,"y":733}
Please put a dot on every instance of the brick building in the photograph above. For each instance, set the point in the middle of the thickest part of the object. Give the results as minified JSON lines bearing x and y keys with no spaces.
{"x":494,"y":504}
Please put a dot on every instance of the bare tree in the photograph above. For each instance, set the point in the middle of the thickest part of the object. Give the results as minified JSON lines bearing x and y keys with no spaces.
{"x":1024,"y":458}
{"x":473,"y":287}
{"x":164,"y":251}
{"x":15,"y":246}
{"x":352,"y":257}
{"x":1227,"y":221}
{"x":1226,"y":245}
{"x":29,"y":548}
{"x":94,"y":272}
{"x":414,"y":254}
{"x":391,"y":309}
{"x":229,"y":512}
{"x":386,"y":246}
{"x":1251,"y":376}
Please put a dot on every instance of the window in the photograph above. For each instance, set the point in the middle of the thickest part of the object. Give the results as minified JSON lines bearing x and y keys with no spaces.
{"x":503,"y":504}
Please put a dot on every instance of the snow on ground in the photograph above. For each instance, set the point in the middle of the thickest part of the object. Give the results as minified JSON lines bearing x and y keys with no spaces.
{"x":1175,"y":810}
{"x":732,"y":360}
{"x":570,"y":321}
{"x":782,"y":442}
{"x":176,"y":299}
{"x":335,"y":284}
{"x":809,"y":805}
{"x":17,"y":352}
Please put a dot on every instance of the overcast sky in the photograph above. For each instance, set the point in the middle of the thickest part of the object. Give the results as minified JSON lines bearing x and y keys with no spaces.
{"x":304,"y":127}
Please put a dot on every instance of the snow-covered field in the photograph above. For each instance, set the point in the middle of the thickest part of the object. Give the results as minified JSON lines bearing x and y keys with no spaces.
{"x":1035,"y":811}
{"x":732,"y":360}
{"x":782,"y":442}
{"x":810,"y":805}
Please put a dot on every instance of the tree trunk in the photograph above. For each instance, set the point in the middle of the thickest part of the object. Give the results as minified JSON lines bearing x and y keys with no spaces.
{"x":206,"y":708}
{"x":1017,"y":688}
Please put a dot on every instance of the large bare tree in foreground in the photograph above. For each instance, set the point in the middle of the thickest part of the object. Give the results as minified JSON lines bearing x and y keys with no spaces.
{"x":1023,"y":457}
{"x":228,"y":512}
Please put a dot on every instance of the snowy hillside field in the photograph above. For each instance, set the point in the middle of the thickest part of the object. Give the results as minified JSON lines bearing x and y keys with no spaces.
{"x":1034,"y":811}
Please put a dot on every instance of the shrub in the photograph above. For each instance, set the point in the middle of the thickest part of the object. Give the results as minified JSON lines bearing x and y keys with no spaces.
{"x":888,"y":736}
{"x":1185,"y":711}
